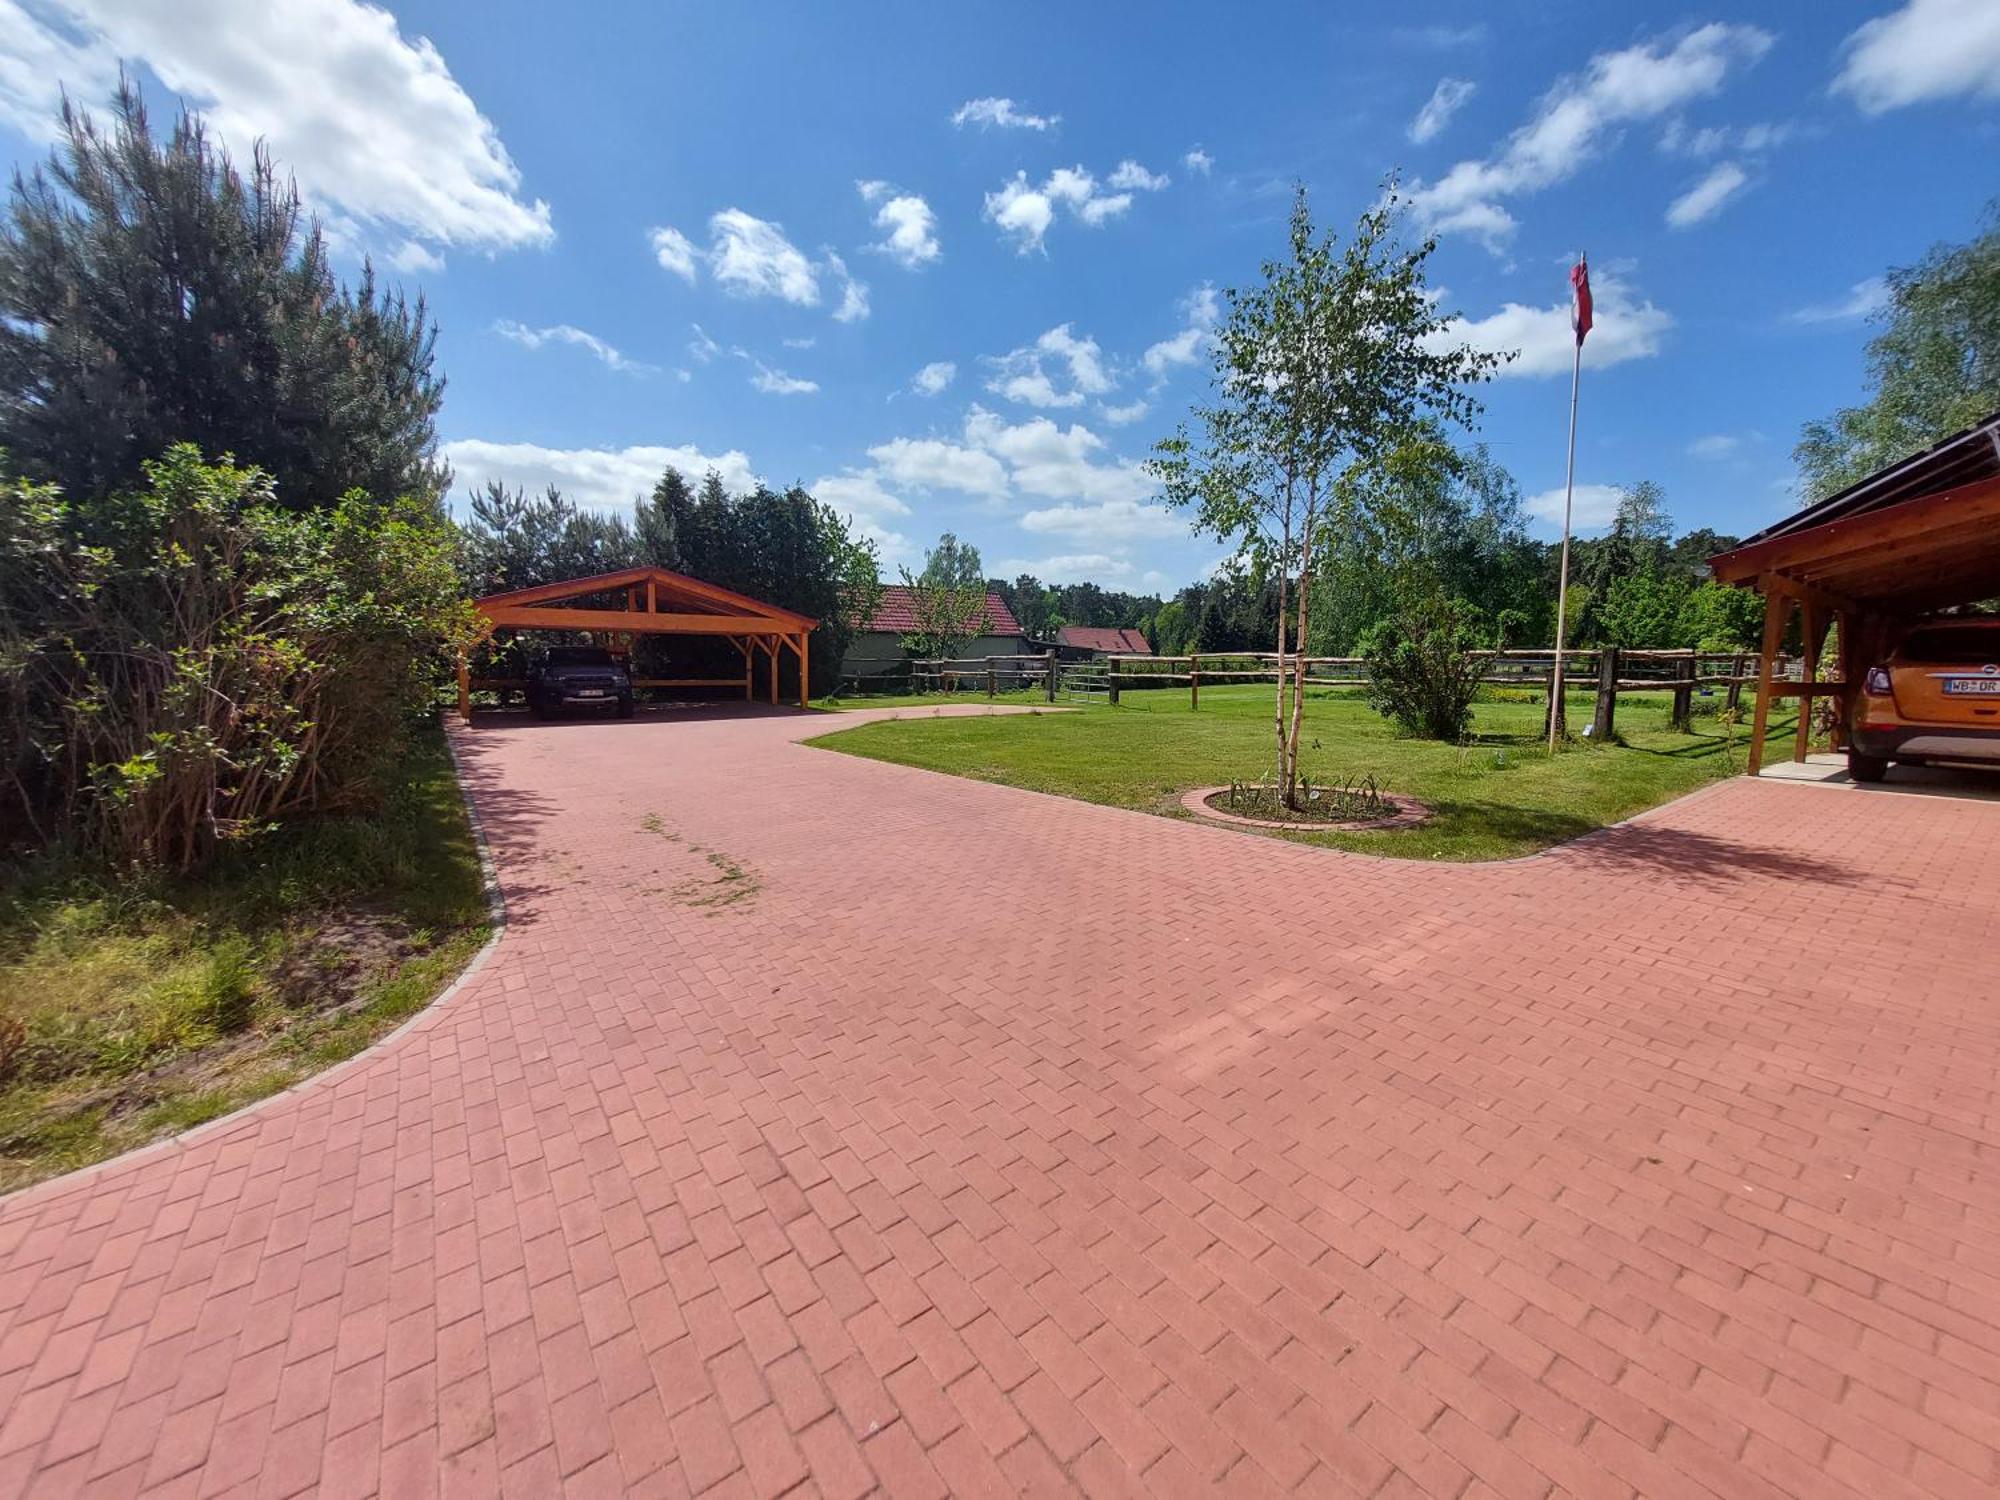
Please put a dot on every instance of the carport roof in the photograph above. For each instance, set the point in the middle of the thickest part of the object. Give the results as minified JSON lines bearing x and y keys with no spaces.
{"x":1920,"y":534}
{"x":658,"y":602}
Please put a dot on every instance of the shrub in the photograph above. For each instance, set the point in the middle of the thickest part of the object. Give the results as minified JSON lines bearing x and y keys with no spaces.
{"x":186,"y":664}
{"x":1420,"y":670}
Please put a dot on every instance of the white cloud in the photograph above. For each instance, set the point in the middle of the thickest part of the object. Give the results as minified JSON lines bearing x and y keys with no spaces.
{"x":1069,"y":567}
{"x":1023,"y":375}
{"x":1001,"y":112}
{"x":777,"y":383}
{"x":1706,"y":198}
{"x":909,"y":226}
{"x":934,"y":377}
{"x":853,"y":303}
{"x":1929,"y":49}
{"x":1200,"y":308}
{"x":1864,"y":299}
{"x":1446,"y":100}
{"x":750,"y":257}
{"x":1124,"y":416}
{"x":1716,"y":445}
{"x":1129,"y":174}
{"x":702,"y":348}
{"x":859,"y":493}
{"x":1199,"y":162}
{"x":608,"y":479}
{"x":804,"y":343}
{"x":1443,"y":38}
{"x":1023,"y":211}
{"x":1056,"y":462}
{"x":371,"y":123}
{"x":1107,"y":520}
{"x":1682,"y":139}
{"x":1595,"y":507}
{"x":673,"y":250}
{"x":935,"y":464}
{"x":1576,"y":119}
{"x":1625,"y":327}
{"x":564,"y":333}
{"x":413,"y":256}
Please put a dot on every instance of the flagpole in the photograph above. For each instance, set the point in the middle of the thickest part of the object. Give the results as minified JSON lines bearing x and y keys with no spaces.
{"x":1556,"y":716}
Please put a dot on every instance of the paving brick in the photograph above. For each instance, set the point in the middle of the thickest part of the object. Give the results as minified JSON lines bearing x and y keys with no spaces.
{"x":1485,"y":1180}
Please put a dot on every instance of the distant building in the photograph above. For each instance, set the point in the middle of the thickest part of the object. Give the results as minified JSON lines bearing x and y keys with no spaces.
{"x":877,"y":649}
{"x":1087,"y":642}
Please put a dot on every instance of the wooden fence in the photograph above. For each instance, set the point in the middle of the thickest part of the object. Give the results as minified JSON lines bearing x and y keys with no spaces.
{"x":1607,"y":672}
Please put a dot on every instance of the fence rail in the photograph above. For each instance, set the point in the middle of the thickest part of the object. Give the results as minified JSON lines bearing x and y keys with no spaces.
{"x":1607,"y":671}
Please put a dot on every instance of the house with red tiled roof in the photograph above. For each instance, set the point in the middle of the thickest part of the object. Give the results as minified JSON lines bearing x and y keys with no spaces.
{"x":1085,"y":642}
{"x":877,"y":649}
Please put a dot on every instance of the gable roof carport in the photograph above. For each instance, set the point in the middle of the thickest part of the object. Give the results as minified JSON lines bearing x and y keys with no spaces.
{"x":1913,"y":538}
{"x":654,"y":601}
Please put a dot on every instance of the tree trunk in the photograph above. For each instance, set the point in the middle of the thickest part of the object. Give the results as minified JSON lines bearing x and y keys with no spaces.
{"x":1299,"y":665}
{"x":1284,"y":778}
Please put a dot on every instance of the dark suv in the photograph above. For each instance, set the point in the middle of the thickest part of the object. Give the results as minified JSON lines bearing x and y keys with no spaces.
{"x":579,"y":677}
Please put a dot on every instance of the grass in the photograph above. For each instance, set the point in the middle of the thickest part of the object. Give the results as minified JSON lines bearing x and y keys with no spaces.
{"x":1499,"y":796}
{"x":131,"y":1009}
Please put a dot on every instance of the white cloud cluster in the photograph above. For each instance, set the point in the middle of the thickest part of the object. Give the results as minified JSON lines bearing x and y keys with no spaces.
{"x":607,"y":479}
{"x":751,"y":257}
{"x":382,"y":139}
{"x":1198,"y":162}
{"x":1863,"y":300}
{"x":1927,"y":49}
{"x":1626,"y":326}
{"x":1058,"y":369}
{"x":1024,"y":211}
{"x":564,"y":333}
{"x":1577,"y":117}
{"x":1450,"y":95}
{"x":1001,"y":113}
{"x":1199,"y":309}
{"x":1683,"y":139}
{"x":777,"y":383}
{"x":934,"y":377}
{"x":909,"y":227}
{"x":1593,"y":507}
{"x":1706,"y":198}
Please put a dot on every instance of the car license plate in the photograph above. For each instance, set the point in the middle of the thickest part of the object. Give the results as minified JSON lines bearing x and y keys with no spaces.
{"x":591,"y":693}
{"x":1972,"y":687}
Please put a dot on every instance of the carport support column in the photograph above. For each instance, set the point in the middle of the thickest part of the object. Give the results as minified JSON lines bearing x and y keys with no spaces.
{"x":805,"y":679}
{"x":464,"y":689}
{"x":1813,"y":619}
{"x":771,"y":645}
{"x":1776,"y":606}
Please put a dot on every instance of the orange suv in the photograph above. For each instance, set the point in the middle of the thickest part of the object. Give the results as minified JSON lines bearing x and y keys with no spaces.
{"x":1937,"y":698}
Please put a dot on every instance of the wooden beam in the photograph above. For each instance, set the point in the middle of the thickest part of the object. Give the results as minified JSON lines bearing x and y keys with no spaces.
{"x":511,"y":617}
{"x":1777,"y":604}
{"x":465,"y":689}
{"x":1967,"y":503}
{"x":1814,"y":618}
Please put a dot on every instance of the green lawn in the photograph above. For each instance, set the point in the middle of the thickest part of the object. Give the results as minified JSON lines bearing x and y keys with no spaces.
{"x":132,"y":1009}
{"x":1501,"y":795}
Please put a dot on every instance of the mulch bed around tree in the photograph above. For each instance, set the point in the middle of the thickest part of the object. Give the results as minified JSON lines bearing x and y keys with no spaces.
{"x":1211,"y":802}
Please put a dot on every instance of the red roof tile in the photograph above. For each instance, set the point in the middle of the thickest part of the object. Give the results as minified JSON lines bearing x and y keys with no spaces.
{"x":1103,"y":638}
{"x":895,"y":615}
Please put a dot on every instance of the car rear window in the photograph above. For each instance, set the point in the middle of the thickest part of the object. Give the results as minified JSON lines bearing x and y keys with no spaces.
{"x":1954,"y":646}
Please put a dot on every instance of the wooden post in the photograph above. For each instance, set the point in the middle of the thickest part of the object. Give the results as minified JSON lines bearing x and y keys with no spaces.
{"x":652,"y":596}
{"x":1051,"y":668}
{"x":1683,"y":714}
{"x":1776,"y":605}
{"x":1558,"y":716}
{"x":1194,"y":681}
{"x":805,"y":678}
{"x":992,"y":678}
{"x":1111,"y":680}
{"x":1604,"y":723}
{"x":1735,"y":698}
{"x":465,"y":690}
{"x":771,"y":645}
{"x":1813,"y":619}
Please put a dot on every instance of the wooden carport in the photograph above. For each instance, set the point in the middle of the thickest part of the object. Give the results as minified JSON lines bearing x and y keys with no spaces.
{"x":1914,"y":538}
{"x":650,"y":601}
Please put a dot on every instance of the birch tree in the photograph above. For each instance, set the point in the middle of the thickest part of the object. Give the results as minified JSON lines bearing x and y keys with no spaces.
{"x":1321,"y":372}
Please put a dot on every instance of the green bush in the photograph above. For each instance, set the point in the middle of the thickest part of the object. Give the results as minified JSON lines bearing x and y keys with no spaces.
{"x":1421,"y":673}
{"x":182,"y":666}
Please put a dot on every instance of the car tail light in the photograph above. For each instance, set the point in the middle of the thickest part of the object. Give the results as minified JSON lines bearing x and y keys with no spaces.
{"x":1877,"y":681}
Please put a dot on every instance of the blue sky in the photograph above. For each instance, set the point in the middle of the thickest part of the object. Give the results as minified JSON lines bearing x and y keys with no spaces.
{"x":742,"y":234}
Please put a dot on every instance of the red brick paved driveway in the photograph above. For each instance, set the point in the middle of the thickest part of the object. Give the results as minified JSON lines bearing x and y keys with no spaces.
{"x":974,"y":1141}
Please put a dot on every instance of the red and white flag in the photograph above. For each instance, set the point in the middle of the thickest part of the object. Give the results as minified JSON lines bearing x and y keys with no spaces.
{"x":1579,"y":313}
